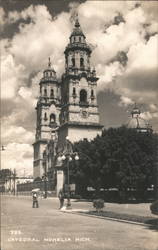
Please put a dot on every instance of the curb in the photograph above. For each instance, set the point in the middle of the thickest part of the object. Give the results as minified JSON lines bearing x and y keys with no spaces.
{"x":107,"y":218}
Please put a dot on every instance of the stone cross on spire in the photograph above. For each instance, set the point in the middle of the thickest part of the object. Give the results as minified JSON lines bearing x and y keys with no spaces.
{"x":77,"y":24}
{"x":49,"y":63}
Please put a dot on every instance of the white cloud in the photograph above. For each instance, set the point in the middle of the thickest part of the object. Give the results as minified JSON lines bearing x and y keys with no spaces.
{"x":125,"y":101}
{"x":148,"y":115}
{"x":150,"y":9}
{"x":135,"y":18}
{"x":107,"y":75}
{"x":124,"y":35}
{"x":12,"y":133}
{"x":140,"y":78}
{"x":152,"y":28}
{"x":40,"y":38}
{"x":142,"y":55}
{"x":12,"y":75}
{"x":97,"y":13}
{"x":29,"y":49}
{"x":153,"y":107}
{"x":14,"y":157}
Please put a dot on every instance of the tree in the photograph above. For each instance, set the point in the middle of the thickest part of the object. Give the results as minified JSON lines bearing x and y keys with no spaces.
{"x":5,"y":174}
{"x":37,"y":179}
{"x":120,"y":158}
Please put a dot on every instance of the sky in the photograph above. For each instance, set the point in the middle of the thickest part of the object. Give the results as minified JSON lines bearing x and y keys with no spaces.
{"x":124,"y":39}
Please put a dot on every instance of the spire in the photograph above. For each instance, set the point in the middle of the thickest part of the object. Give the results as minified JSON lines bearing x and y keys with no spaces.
{"x":77,"y":31}
{"x":77,"y":24}
{"x":49,"y":72}
{"x":49,"y":63}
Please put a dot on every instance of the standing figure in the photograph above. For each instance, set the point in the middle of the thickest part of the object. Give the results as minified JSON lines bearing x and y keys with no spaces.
{"x":35,"y":200}
{"x":61,"y":198}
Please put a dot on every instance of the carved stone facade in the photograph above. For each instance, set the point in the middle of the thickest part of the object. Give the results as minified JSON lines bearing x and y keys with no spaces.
{"x":69,"y":105}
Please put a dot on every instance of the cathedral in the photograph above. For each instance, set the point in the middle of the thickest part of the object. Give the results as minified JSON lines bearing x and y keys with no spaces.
{"x":66,"y":108}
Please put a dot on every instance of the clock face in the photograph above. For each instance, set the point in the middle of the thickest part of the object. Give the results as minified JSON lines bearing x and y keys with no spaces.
{"x":84,"y":113}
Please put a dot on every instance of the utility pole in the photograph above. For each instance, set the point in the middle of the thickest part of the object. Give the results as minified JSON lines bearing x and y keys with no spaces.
{"x":156,"y":169}
{"x":14,"y":180}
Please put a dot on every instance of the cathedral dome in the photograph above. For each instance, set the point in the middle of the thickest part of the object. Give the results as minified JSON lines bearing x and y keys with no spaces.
{"x":138,"y":123}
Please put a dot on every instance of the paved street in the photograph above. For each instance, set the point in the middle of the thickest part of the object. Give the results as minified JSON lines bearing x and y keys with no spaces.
{"x":47,"y":228}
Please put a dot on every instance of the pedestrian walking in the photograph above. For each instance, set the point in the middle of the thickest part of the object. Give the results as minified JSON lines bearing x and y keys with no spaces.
{"x":61,"y":198}
{"x":35,"y":200}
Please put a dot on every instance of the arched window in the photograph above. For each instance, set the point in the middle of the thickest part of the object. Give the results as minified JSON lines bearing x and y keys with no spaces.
{"x":79,"y":39}
{"x":45,"y":92}
{"x":83,"y":96}
{"x":52,"y":93}
{"x":52,"y":120}
{"x":45,"y":116}
{"x":74,"y":92}
{"x":74,"y":39}
{"x":81,"y":62}
{"x":66,"y":60}
{"x":73,"y":62}
{"x":92,"y":94}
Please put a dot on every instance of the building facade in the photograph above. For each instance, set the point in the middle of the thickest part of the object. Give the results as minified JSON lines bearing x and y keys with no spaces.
{"x":67,"y":107}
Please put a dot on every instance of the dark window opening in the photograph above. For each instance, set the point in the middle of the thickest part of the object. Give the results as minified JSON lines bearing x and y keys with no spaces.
{"x":79,"y":39}
{"x":45,"y":92}
{"x":81,"y":62}
{"x":52,"y":93}
{"x":66,"y":61}
{"x":74,"y":92}
{"x":74,"y":39}
{"x":92,"y":94}
{"x":52,"y":120}
{"x":73,"y":62}
{"x":83,"y":96}
{"x":45,"y":116}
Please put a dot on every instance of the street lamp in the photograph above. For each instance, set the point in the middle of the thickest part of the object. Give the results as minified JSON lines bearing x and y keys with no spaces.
{"x":68,"y":155}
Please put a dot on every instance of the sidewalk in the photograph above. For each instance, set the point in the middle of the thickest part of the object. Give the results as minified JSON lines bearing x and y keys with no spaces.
{"x":128,"y":213}
{"x":141,"y":209}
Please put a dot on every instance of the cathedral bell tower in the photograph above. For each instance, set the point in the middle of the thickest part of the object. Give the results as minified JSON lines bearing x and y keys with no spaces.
{"x":48,"y":109}
{"x":79,"y":116}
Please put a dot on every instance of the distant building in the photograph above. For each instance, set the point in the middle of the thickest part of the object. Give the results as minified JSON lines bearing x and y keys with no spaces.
{"x":9,"y":185}
{"x":138,"y":123}
{"x":67,"y":107}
